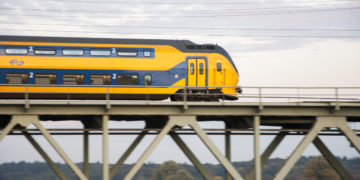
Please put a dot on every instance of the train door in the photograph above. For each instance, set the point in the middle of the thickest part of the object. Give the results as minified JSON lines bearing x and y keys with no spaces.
{"x":196,"y":72}
{"x":219,"y":74}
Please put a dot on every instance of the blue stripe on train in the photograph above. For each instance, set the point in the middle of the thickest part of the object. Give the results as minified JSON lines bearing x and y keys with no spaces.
{"x":159,"y":78}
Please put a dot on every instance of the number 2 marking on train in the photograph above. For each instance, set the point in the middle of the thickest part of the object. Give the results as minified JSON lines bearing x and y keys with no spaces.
{"x":114,"y":76}
{"x":31,"y":75}
{"x":113,"y":50}
{"x":31,"y":48}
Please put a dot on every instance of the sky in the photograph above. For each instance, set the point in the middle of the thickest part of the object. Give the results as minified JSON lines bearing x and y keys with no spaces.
{"x":273,"y":43}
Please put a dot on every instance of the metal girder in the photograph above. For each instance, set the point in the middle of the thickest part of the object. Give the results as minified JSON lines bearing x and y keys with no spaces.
{"x":184,"y":121}
{"x":228,"y":151}
{"x":197,"y":164}
{"x":257,"y":158}
{"x":331,"y":159}
{"x":25,"y":121}
{"x":267,"y":153}
{"x":105,"y":153}
{"x":92,"y":107}
{"x":320,"y":123}
{"x":43,"y":154}
{"x":86,"y":154}
{"x":127,"y":153}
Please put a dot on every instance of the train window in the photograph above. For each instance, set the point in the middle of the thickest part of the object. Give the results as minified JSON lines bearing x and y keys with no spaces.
{"x":100,"y":52}
{"x":45,"y":51}
{"x":128,"y":79}
{"x":45,"y":78}
{"x":147,"y":80}
{"x":15,"y":78}
{"x":201,"y":68}
{"x":147,"y":53}
{"x":16,"y":50}
{"x":218,"y":66}
{"x":100,"y":79}
{"x":127,"y":53}
{"x":73,"y":79}
{"x":192,"y":68}
{"x":73,"y":52}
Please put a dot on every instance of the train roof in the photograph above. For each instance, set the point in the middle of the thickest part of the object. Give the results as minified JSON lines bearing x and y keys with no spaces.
{"x":181,"y":45}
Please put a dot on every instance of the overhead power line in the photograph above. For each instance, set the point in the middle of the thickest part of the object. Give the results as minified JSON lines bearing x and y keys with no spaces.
{"x":179,"y":27}
{"x":187,"y":34}
{"x":195,"y":3}
{"x":135,"y":16}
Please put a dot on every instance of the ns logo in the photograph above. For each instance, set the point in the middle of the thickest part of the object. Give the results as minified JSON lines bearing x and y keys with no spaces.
{"x":16,"y":62}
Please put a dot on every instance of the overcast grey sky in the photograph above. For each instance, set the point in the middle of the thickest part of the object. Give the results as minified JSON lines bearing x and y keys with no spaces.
{"x":273,"y":43}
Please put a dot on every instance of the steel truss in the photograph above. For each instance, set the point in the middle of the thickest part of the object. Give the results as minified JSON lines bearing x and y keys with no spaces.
{"x":171,"y":128}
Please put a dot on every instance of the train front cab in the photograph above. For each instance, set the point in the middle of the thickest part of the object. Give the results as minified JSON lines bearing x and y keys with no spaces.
{"x":207,"y":77}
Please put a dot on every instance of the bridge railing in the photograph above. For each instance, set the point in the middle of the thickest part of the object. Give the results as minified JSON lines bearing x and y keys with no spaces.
{"x":249,"y":93}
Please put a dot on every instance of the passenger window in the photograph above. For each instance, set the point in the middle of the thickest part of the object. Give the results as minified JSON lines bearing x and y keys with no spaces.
{"x":73,"y":79}
{"x":100,"y":79}
{"x":128,"y":79}
{"x":16,"y":50}
{"x":73,"y":52}
{"x":14,"y":78}
{"x":201,"y":68}
{"x":45,"y":51}
{"x":192,"y":68}
{"x":100,"y":52}
{"x":147,"y":80}
{"x":127,"y":53}
{"x":218,"y":67}
{"x":147,"y":53}
{"x":45,"y":78}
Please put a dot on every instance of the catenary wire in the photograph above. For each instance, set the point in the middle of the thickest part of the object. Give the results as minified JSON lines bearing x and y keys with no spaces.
{"x":178,"y":27}
{"x":187,"y":34}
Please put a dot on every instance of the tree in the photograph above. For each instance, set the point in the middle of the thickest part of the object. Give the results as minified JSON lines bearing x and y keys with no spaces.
{"x":318,"y":169}
{"x":170,"y":170}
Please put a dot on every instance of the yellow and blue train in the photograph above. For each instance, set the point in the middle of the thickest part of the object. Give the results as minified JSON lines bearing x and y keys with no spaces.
{"x":59,"y":67}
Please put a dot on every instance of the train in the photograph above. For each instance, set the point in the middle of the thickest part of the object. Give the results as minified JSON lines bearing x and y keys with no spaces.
{"x":88,"y":68}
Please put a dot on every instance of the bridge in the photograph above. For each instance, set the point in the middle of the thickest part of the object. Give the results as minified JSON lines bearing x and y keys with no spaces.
{"x":307,"y":111}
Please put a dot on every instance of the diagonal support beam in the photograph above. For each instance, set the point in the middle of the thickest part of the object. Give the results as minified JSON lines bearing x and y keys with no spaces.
{"x":184,"y":121}
{"x":126,"y":154}
{"x":317,"y":127}
{"x":267,"y":153}
{"x":43,"y":154}
{"x":170,"y":124}
{"x":350,"y":134}
{"x":214,"y":150}
{"x":321,"y":122}
{"x":25,"y":121}
{"x":331,"y":159}
{"x":197,"y":164}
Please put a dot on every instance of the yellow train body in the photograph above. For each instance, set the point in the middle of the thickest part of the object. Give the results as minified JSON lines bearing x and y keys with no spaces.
{"x":45,"y":65}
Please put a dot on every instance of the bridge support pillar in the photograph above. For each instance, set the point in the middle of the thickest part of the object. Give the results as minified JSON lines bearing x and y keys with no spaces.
{"x":86,"y":154}
{"x":228,"y":151}
{"x":267,"y":153}
{"x":105,"y":135}
{"x":182,"y":121}
{"x":320,"y":123}
{"x":26,"y":120}
{"x":257,"y":157}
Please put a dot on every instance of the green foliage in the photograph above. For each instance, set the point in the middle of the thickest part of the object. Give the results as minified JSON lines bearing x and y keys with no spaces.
{"x":171,"y":170}
{"x":318,"y":169}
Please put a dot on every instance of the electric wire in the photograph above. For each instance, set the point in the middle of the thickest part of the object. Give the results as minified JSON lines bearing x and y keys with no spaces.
{"x":187,"y":34}
{"x":178,"y":27}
